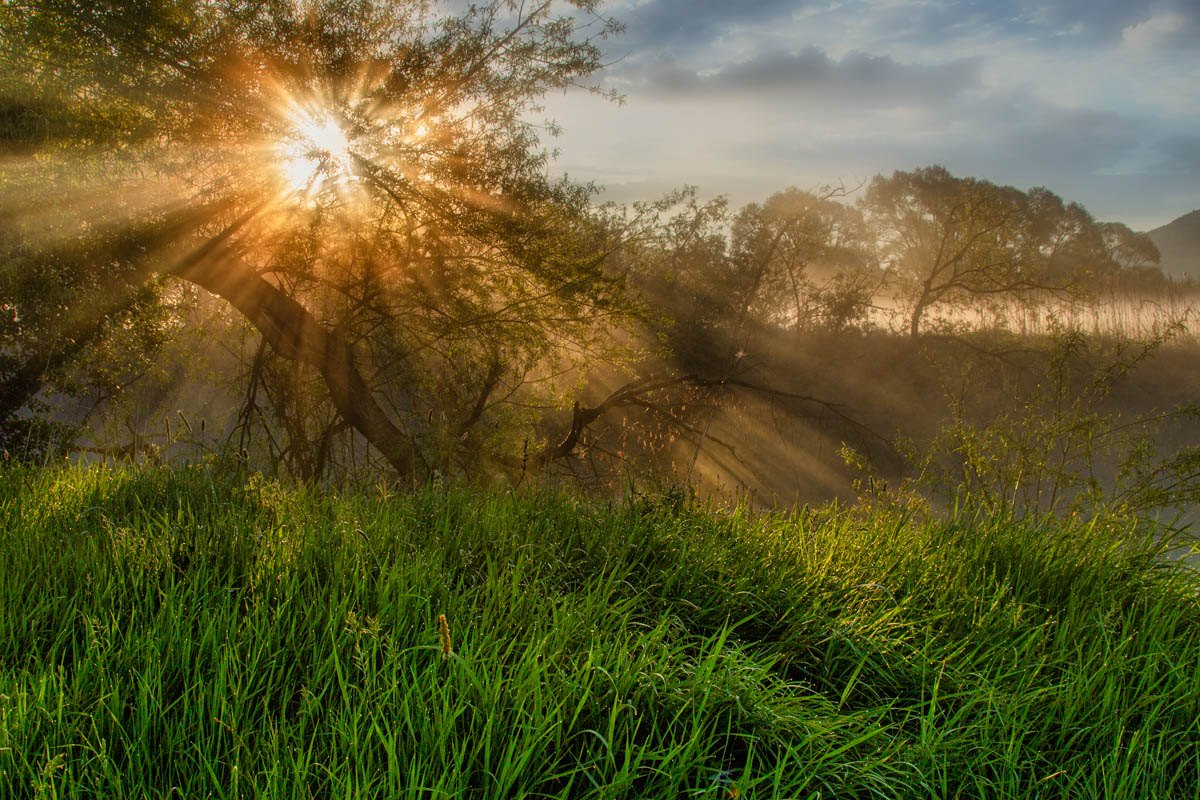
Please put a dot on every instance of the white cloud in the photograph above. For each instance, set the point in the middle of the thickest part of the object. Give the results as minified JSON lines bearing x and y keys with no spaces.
{"x":749,"y":97}
{"x":1147,"y":35}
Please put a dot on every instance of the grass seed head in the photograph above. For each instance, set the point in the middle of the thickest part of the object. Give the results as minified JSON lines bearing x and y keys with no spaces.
{"x":444,"y":630}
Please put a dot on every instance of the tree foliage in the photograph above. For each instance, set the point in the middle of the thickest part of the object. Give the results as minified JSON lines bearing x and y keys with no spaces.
{"x":360,"y":180}
{"x":805,"y":260}
{"x":964,"y":240}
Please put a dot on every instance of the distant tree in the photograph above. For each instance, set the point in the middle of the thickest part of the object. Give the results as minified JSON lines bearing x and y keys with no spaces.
{"x":805,"y":259}
{"x":961,"y":240}
{"x":797,"y":260}
{"x":359,"y":179}
{"x":1129,"y":249}
{"x":1065,"y":238}
{"x":679,"y":256}
{"x":1134,"y":260}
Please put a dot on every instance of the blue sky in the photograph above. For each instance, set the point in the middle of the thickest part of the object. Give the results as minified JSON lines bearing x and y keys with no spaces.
{"x":1098,"y":100}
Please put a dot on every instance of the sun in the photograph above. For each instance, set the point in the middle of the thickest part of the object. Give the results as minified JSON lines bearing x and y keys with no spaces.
{"x":314,"y":154}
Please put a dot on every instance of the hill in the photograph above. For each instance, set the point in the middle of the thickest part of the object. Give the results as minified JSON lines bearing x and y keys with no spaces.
{"x":1179,"y":244}
{"x":207,"y":633}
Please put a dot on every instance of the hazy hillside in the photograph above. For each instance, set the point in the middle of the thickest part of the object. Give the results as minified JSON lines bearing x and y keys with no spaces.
{"x":1179,"y":243}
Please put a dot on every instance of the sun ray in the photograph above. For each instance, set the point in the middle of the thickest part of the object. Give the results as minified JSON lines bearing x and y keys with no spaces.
{"x":315,"y":154}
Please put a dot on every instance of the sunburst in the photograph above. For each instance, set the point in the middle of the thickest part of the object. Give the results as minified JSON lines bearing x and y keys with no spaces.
{"x":315,"y":154}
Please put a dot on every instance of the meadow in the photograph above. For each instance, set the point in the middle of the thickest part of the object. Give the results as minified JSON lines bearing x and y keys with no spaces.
{"x":204,"y":632}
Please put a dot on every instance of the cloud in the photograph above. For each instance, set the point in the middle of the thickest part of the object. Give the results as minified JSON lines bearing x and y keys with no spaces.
{"x":1180,"y":155}
{"x":689,"y":23}
{"x":856,"y":79}
{"x":1010,"y":139}
{"x":1088,"y":97}
{"x":1153,"y":32}
{"x":686,"y":29}
{"x":1046,"y":138}
{"x":1078,"y":22}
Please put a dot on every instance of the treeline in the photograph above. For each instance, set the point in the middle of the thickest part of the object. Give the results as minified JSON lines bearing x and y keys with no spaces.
{"x":915,"y":244}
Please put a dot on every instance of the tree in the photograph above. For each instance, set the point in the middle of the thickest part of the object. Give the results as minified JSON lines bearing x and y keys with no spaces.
{"x":359,"y":179}
{"x":1134,"y":260}
{"x":805,"y":259}
{"x":678,"y":259}
{"x":955,"y":240}
{"x":1129,"y":249}
{"x":799,"y":260}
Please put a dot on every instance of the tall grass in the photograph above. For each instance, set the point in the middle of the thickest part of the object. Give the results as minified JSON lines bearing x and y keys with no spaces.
{"x":193,"y":634}
{"x":1122,"y":314}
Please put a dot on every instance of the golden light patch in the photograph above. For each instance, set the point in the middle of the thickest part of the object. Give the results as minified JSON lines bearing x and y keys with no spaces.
{"x":314,"y":155}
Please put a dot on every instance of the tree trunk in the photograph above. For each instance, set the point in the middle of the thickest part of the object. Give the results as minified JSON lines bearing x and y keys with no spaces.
{"x":918,"y":313}
{"x":296,"y":334}
{"x":914,"y":322}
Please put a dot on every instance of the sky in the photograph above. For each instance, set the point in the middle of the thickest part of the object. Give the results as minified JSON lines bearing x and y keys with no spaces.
{"x":1097,"y":100}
